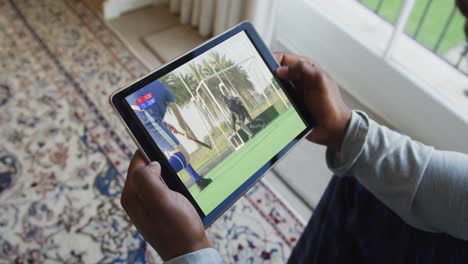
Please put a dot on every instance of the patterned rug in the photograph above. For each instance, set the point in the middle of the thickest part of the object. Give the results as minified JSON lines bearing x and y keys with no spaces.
{"x":64,"y":154}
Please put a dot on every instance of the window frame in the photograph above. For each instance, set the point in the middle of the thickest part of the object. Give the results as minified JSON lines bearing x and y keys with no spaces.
{"x":379,"y":83}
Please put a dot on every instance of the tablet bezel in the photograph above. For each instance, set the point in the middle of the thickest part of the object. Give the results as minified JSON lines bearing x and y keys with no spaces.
{"x":145,"y":143}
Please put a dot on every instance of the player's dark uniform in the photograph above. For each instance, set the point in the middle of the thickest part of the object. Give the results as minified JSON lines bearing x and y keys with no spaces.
{"x":239,"y":114}
{"x":238,"y":111}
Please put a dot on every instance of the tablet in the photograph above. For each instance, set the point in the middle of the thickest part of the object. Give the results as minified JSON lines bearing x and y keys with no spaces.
{"x":216,"y":118}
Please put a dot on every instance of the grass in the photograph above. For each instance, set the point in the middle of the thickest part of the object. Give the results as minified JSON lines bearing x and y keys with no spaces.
{"x":433,"y":25}
{"x":240,"y":165}
{"x":203,"y":155}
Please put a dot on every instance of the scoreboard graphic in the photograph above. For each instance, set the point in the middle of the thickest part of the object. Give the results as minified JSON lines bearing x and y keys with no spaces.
{"x":145,"y":101}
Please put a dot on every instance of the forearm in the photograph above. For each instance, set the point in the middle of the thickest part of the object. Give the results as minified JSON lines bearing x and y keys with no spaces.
{"x":388,"y":164}
{"x":395,"y":168}
{"x":442,"y":198}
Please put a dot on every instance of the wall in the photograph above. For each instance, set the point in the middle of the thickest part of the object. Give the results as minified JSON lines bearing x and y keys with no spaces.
{"x":403,"y":101}
{"x":114,"y":8}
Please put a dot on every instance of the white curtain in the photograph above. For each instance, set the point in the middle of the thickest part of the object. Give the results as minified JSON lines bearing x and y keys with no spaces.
{"x":215,"y":16}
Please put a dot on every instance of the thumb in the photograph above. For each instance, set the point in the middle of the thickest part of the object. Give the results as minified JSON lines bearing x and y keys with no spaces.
{"x":147,"y":183}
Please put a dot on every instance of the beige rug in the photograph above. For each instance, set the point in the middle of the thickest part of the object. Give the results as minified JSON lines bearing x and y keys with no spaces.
{"x":64,"y":154}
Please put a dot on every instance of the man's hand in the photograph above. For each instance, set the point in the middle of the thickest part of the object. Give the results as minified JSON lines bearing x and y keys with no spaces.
{"x":165,"y":218}
{"x":321,"y":98}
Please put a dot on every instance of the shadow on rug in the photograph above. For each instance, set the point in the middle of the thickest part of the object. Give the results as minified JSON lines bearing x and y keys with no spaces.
{"x":64,"y":154}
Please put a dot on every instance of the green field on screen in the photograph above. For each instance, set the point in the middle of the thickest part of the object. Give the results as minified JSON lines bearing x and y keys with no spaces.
{"x":243,"y":163}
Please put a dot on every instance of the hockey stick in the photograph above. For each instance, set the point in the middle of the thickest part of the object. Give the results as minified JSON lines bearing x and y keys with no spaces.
{"x":184,"y":134}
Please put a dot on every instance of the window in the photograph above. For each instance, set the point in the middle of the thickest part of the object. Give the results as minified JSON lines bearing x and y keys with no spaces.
{"x":382,"y":53}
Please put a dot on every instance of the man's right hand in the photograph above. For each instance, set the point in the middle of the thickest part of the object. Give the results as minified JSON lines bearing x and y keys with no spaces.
{"x":166,"y":219}
{"x":321,"y":97}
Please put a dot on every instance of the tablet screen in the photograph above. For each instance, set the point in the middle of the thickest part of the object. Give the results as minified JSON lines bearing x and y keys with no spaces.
{"x":218,"y":118}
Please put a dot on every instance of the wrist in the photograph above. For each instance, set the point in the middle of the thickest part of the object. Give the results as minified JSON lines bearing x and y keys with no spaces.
{"x":183,"y":249}
{"x":338,"y":133}
{"x":201,"y":244}
{"x":206,"y":255}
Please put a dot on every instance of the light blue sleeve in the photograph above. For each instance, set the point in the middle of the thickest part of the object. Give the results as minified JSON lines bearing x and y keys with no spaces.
{"x":202,"y":256}
{"x":427,"y":188}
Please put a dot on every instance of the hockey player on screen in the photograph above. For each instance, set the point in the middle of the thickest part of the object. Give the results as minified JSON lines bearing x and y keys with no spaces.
{"x":150,"y":105}
{"x":239,"y":114}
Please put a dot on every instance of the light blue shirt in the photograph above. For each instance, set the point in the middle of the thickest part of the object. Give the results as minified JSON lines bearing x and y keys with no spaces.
{"x":202,"y":256}
{"x":427,"y":188}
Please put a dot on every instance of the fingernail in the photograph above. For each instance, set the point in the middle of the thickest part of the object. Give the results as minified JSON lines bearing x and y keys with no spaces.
{"x":282,"y":71}
{"x":154,"y":164}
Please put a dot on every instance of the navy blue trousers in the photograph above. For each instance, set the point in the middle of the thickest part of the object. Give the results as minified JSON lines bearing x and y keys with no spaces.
{"x":350,"y":225}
